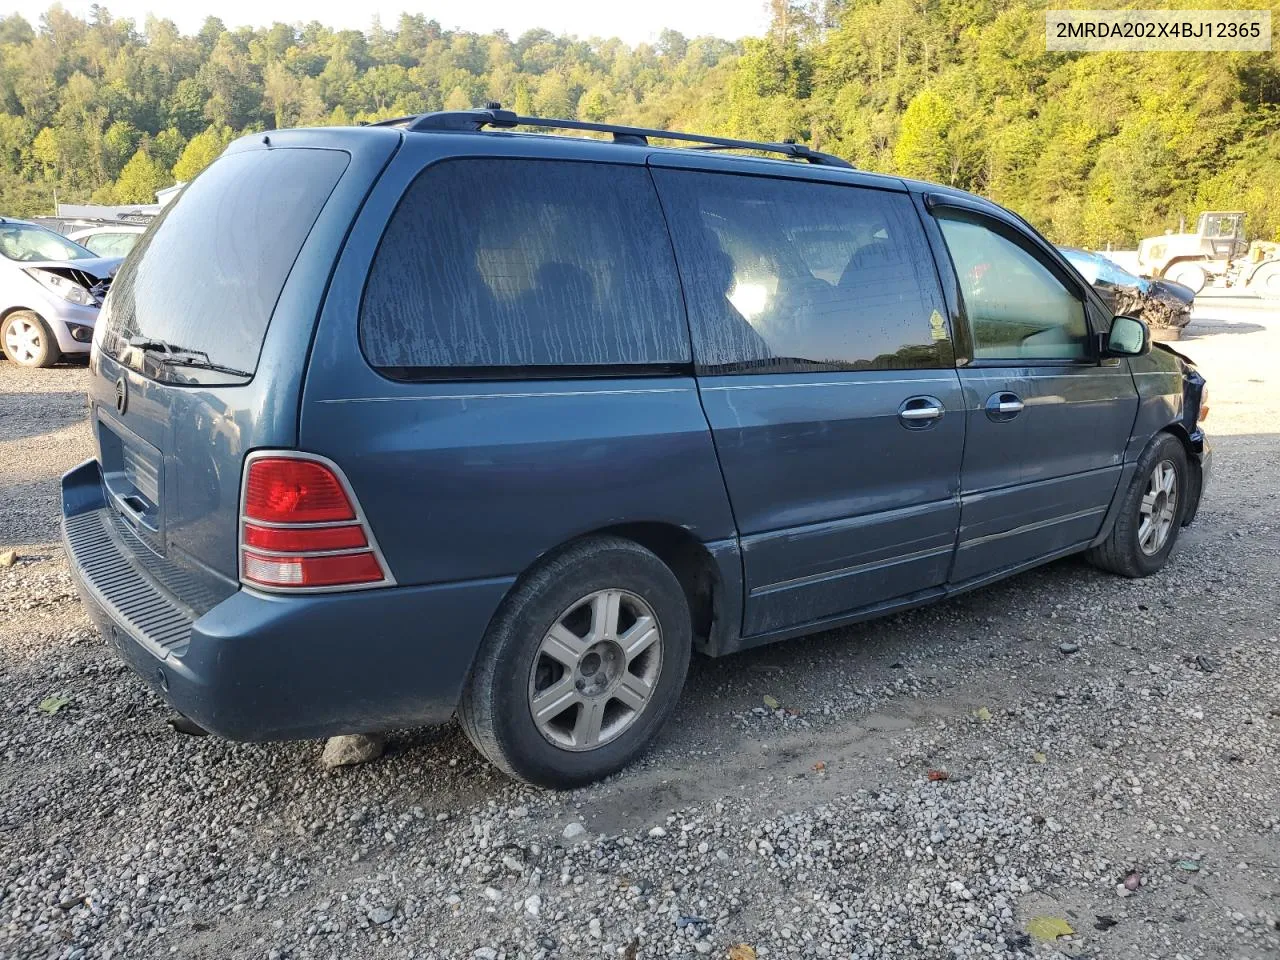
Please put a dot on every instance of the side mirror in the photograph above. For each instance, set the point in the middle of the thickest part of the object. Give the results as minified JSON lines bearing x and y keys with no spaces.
{"x":1129,"y":337}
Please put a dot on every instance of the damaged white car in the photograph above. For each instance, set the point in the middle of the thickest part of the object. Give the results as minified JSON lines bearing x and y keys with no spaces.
{"x":51,"y":290}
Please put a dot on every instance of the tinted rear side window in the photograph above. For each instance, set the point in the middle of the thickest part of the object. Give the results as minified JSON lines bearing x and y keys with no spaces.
{"x":206,"y":275}
{"x":506,"y":263}
{"x":788,"y":275}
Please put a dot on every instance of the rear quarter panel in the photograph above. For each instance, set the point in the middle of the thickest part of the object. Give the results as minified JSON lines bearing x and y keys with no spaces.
{"x":204,"y":432}
{"x":468,"y":480}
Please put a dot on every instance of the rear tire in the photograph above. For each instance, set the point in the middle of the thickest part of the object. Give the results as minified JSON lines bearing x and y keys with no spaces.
{"x":1265,"y":281}
{"x":1151,"y":513}
{"x":596,"y":641}
{"x":28,"y":341}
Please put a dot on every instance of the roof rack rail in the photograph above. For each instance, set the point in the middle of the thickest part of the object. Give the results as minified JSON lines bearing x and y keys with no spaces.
{"x":494,"y":116}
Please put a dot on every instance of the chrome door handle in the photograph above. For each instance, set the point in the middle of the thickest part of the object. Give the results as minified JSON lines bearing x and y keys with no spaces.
{"x":1003,"y":406}
{"x":918,"y":413}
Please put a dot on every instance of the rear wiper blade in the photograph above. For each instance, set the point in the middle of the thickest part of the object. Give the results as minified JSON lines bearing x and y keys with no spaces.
{"x":183,"y":356}
{"x":198,"y":363}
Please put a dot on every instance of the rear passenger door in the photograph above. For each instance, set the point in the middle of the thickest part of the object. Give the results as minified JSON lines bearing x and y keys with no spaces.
{"x":1048,"y":421}
{"x":826,"y":370}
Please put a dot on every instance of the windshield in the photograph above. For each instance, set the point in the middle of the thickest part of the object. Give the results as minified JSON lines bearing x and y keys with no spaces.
{"x":1217,"y":226}
{"x":27,"y":242}
{"x":1098,"y":269}
{"x":1084,"y":262}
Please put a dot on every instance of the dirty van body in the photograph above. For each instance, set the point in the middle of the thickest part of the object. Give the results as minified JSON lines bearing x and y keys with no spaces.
{"x":432,"y":417}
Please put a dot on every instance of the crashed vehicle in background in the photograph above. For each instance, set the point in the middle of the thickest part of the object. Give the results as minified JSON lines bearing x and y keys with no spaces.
{"x":1165,"y":306}
{"x":51,"y":290}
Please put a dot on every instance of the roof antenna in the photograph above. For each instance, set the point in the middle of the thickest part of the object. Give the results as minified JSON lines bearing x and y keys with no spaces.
{"x":492,"y":105}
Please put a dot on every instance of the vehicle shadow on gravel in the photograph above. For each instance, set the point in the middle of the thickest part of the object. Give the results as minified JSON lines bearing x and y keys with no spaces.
{"x":1206,"y":326}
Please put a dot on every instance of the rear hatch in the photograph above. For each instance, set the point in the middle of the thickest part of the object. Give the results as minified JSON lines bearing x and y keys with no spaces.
{"x":202,"y":343}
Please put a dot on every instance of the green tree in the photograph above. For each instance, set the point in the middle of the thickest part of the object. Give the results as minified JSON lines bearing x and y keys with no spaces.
{"x":1090,"y":147}
{"x":167,"y":146}
{"x":921,"y":150}
{"x":202,"y":150}
{"x":118,"y":145}
{"x":15,"y":140}
{"x":46,"y":152}
{"x":140,"y":179}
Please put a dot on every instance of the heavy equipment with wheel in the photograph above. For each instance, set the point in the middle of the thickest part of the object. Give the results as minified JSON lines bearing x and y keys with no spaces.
{"x":1216,"y":254}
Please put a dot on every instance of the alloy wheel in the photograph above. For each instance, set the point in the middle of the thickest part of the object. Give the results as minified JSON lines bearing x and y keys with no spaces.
{"x":1158,"y":508}
{"x":596,"y":670}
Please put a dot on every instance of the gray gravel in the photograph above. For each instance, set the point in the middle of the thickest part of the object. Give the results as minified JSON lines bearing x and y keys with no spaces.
{"x":1065,"y":745}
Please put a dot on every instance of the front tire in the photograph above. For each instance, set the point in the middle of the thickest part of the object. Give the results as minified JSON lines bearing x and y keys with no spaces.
{"x":581,"y":666}
{"x":1188,"y":274}
{"x":28,"y":341}
{"x":1151,"y":513}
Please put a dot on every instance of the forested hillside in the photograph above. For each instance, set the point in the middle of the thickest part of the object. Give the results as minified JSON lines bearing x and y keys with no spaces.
{"x":1091,"y":148}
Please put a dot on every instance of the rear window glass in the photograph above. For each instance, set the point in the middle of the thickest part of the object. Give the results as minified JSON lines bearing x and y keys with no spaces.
{"x":501,"y":263}
{"x":206,"y":276}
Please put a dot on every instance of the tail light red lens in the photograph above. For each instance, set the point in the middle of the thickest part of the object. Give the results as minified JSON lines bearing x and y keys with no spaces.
{"x":289,"y":490}
{"x":293,"y":539}
{"x":301,"y":528}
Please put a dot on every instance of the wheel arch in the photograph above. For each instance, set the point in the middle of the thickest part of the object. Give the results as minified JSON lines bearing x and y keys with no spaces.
{"x":7,"y":312}
{"x":709,"y":575}
{"x":1261,"y":265}
{"x":1195,"y":470}
{"x":694,"y":566}
{"x":1176,"y":429}
{"x":1196,"y":258}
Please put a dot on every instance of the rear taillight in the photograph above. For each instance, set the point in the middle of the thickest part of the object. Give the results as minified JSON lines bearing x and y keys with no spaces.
{"x":302,"y":529}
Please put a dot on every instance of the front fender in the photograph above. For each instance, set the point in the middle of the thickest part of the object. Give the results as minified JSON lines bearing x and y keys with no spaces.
{"x":1170,"y":389}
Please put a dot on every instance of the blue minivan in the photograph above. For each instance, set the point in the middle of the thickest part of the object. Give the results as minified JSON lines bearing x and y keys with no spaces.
{"x":447,"y":415}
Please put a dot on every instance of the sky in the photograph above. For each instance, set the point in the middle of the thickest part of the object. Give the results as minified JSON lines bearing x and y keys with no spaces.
{"x":633,"y":20}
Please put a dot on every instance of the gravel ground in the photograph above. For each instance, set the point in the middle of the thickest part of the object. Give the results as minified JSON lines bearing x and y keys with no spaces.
{"x":1064,"y":745}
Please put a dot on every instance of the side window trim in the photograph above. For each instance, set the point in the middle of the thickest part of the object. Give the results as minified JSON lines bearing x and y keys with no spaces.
{"x":952,"y":208}
{"x":948,"y":280}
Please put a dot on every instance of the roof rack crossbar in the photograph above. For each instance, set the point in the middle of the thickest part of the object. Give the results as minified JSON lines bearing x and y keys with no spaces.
{"x":496,"y":117}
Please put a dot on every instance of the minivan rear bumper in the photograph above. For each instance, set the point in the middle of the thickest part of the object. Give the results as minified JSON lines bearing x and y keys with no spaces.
{"x":262,"y":667}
